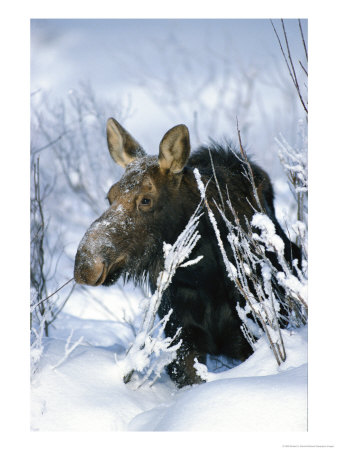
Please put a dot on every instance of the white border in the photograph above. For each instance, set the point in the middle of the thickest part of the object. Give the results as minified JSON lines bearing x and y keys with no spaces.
{"x":15,"y":226}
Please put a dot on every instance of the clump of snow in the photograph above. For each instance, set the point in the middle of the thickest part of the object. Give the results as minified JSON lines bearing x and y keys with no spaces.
{"x":268,"y":233}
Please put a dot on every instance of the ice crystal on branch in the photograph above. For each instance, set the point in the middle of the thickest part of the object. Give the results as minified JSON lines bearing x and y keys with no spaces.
{"x":275,"y":295}
{"x":151,"y":352}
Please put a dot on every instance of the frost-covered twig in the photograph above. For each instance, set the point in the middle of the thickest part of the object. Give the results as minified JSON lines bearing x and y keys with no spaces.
{"x":38,"y":238}
{"x":216,"y":179}
{"x":150,"y":352}
{"x":69,"y":348}
{"x":37,"y":347}
{"x":43,"y":310}
{"x":256,"y":278}
{"x":295,"y":164}
{"x":231,"y":270}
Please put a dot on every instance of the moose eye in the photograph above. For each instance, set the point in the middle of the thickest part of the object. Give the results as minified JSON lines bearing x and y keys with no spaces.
{"x":145,"y":201}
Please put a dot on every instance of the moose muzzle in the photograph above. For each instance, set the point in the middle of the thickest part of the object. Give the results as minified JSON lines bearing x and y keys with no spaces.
{"x":95,"y":256}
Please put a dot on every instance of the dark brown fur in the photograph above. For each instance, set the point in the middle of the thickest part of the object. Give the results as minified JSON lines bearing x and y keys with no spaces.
{"x":152,"y":204}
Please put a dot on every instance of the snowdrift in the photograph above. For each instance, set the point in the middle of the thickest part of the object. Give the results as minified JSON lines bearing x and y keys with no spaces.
{"x":85,"y":391}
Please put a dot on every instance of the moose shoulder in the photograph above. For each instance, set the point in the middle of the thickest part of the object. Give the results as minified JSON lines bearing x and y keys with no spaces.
{"x":152,"y":204}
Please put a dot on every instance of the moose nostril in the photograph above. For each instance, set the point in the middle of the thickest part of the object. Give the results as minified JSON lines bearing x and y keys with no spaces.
{"x":102,"y":275}
{"x":89,"y":271}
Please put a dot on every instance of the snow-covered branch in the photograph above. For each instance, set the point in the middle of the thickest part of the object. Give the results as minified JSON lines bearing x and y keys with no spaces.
{"x":275,"y":295}
{"x":151,"y":352}
{"x":69,"y":348}
{"x":295,"y":164}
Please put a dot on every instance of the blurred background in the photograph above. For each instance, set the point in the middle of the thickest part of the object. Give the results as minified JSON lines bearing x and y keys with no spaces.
{"x":150,"y":75}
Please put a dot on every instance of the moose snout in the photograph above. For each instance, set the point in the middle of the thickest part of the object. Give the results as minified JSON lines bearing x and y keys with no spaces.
{"x":91,"y":260}
{"x":97,"y":260}
{"x":89,"y":270}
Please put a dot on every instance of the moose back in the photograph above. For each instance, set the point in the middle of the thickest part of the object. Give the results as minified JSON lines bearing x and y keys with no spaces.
{"x":152,"y":204}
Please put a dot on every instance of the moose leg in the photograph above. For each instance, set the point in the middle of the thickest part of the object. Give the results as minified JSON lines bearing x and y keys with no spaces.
{"x":182,"y":370}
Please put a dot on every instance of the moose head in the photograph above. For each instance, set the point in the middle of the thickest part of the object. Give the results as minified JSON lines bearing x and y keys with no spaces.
{"x":145,"y":209}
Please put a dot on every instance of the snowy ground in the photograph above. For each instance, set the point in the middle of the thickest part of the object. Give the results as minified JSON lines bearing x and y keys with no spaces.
{"x":85,"y":392}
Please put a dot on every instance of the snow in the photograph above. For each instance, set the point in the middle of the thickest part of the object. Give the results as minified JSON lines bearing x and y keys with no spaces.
{"x":235,"y":404}
{"x":199,"y":182}
{"x":85,"y":392}
{"x":268,"y":231}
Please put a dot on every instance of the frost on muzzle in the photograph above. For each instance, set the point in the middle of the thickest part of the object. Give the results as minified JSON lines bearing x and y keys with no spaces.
{"x":97,"y":260}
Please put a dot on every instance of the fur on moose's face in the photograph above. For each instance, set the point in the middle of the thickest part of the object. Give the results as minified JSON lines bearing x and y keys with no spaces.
{"x":126,"y":235}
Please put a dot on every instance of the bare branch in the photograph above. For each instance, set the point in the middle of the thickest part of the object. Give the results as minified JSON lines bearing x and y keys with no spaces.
{"x":51,"y":295}
{"x":289,"y":62}
{"x":249,"y":168}
{"x":304,"y":44}
{"x":301,"y":65}
{"x":44,"y":147}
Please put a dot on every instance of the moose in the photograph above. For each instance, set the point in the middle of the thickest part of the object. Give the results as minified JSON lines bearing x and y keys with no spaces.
{"x":150,"y":205}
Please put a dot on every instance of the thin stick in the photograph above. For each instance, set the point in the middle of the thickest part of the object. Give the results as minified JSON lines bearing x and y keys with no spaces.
{"x":290,"y":67}
{"x":289,"y":56}
{"x":305,"y":71}
{"x":49,"y":143}
{"x":215,"y":176}
{"x":282,"y":50}
{"x":295,"y":81}
{"x":51,"y":295}
{"x":252,"y":180}
{"x":301,"y":32}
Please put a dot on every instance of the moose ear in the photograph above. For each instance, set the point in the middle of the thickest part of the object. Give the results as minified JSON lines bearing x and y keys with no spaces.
{"x":122,"y":146}
{"x":175,"y":149}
